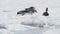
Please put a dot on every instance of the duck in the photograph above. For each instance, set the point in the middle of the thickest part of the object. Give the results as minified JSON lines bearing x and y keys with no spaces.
{"x":46,"y":13}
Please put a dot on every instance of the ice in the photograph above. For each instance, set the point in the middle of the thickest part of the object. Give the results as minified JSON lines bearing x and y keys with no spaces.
{"x":52,"y":31}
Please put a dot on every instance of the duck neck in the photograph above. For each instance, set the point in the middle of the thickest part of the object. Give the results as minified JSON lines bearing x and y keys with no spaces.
{"x":46,"y":9}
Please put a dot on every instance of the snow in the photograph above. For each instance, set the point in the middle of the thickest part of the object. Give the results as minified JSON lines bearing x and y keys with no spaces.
{"x":29,"y":24}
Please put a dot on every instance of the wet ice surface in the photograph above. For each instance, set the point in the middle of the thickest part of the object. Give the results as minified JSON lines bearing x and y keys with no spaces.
{"x":33,"y":30}
{"x":23,"y":29}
